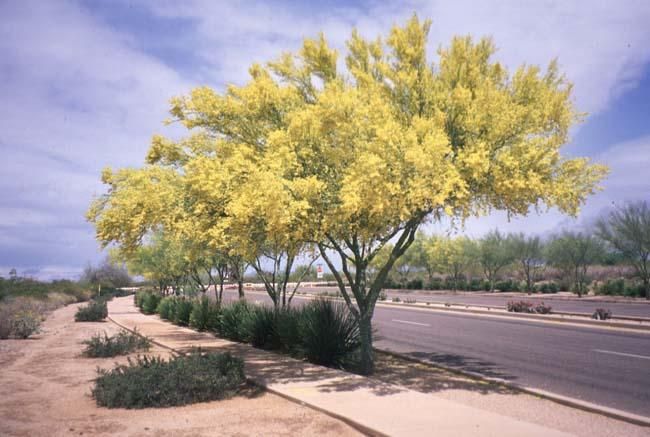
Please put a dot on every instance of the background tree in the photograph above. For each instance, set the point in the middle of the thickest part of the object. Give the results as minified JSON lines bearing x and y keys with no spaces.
{"x":494,"y":253}
{"x":109,"y":273}
{"x":528,"y":252}
{"x":452,"y":256}
{"x":573,"y":253}
{"x":627,"y":231}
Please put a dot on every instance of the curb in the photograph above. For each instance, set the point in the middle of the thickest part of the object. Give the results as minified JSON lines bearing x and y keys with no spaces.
{"x":357,"y":426}
{"x":564,"y":400}
{"x":588,"y":322}
{"x":533,"y":317}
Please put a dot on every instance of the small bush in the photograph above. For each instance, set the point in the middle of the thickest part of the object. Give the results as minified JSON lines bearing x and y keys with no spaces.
{"x":25,"y":323}
{"x":409,"y":300}
{"x":154,"y":382}
{"x":415,"y":284}
{"x":260,"y":327}
{"x":527,"y":307}
{"x":200,"y":314}
{"x":123,"y":343}
{"x":233,"y":321}
{"x":93,"y":312}
{"x":182,"y":311}
{"x":383,"y":296}
{"x":396,"y":299}
{"x":150,"y":302}
{"x":506,"y":286}
{"x":542,"y":309}
{"x":520,"y":307}
{"x":548,"y":287}
{"x":330,"y":333}
{"x":166,"y":308}
{"x":602,"y":314}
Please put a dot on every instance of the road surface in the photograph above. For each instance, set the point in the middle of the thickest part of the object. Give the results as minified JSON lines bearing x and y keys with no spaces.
{"x":603,"y":366}
{"x":572,"y":306}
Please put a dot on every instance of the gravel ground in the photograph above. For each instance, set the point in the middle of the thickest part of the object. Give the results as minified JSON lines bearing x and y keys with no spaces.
{"x":45,"y":391}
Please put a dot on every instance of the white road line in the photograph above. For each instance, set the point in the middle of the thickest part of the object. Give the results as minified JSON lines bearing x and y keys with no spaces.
{"x":622,"y":354}
{"x":410,"y":323}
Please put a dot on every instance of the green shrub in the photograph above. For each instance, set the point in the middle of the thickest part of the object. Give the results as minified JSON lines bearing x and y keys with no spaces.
{"x":122,"y":343}
{"x":154,"y":382}
{"x":527,"y":307}
{"x":199,"y":316}
{"x":233,"y":321}
{"x":602,"y":314}
{"x":93,"y":312}
{"x":260,"y":328}
{"x":287,"y":335}
{"x":150,"y":302}
{"x":383,"y":296}
{"x":508,"y":285}
{"x":396,"y":299}
{"x":330,"y":333}
{"x":415,"y":284}
{"x":548,"y":287}
{"x":182,"y":311}
{"x":166,"y":308}
{"x":25,"y":323}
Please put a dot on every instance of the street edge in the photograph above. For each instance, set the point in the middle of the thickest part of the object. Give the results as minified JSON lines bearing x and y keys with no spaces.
{"x":564,"y":400}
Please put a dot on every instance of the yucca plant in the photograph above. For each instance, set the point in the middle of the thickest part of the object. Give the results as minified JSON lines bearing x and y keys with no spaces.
{"x":329,"y":333}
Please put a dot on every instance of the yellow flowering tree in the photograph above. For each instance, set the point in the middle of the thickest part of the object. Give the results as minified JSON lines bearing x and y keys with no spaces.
{"x":307,"y":156}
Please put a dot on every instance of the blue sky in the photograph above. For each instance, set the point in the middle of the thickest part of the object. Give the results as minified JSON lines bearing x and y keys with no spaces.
{"x":84,"y":85}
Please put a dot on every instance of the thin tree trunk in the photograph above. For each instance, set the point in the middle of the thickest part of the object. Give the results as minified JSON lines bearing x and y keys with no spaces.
{"x":365,"y":330}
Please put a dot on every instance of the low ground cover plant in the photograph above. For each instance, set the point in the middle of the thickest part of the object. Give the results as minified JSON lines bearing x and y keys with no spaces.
{"x":602,"y":314}
{"x":122,"y":343}
{"x":94,"y":311}
{"x":155,"y":382}
{"x":528,"y":307}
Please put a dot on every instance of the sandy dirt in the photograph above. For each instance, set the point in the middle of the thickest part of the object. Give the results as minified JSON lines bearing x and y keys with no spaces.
{"x":45,"y":388}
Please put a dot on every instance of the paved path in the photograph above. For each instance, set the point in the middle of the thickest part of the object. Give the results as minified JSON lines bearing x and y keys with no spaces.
{"x":371,"y":405}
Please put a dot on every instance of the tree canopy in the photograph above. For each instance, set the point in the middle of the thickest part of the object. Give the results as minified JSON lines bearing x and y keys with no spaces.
{"x":306,"y":155}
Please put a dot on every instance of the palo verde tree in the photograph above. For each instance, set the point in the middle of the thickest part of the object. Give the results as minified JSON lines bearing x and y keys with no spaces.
{"x":627,"y":231}
{"x":573,"y":253}
{"x":528,"y":253}
{"x":495,"y":253}
{"x":451,"y":256}
{"x":307,"y":155}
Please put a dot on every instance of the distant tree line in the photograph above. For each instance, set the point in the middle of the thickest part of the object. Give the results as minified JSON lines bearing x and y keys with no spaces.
{"x":610,"y":258}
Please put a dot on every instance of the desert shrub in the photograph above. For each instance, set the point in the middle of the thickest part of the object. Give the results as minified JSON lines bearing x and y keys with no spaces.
{"x":287,"y":336}
{"x":548,"y":287}
{"x":540,"y":308}
{"x":232,"y":322}
{"x":415,"y":284}
{"x":122,"y":343}
{"x":260,"y":328}
{"x":25,"y":323}
{"x":5,"y":323}
{"x":150,"y":302}
{"x":166,"y":308}
{"x":94,"y":311}
{"x":200,"y":314}
{"x":410,"y":300}
{"x":527,"y":307}
{"x":330,"y":333}
{"x":602,"y":314}
{"x":396,"y":299}
{"x":154,"y":382}
{"x":383,"y":296}
{"x":520,"y":307}
{"x":619,"y":287}
{"x":508,"y":285}
{"x":182,"y":311}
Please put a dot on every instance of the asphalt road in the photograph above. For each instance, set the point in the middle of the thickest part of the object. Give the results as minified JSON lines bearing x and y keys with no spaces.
{"x":603,"y":366}
{"x":572,"y":306}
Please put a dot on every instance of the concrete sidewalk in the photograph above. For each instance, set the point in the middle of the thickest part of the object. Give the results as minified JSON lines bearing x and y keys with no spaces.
{"x":371,"y":406}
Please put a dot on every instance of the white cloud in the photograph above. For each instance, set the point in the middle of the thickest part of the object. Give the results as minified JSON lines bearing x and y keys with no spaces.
{"x":78,"y":95}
